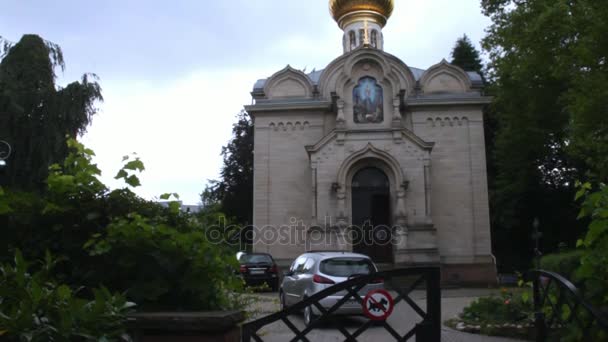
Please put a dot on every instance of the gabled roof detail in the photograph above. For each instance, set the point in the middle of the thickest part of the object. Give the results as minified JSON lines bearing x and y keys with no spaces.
{"x":416,"y":74}
{"x":339,"y":71}
{"x":288,"y":83}
{"x":444,"y":77}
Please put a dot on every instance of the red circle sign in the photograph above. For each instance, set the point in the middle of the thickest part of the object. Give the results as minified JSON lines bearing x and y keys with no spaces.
{"x":378,"y":305}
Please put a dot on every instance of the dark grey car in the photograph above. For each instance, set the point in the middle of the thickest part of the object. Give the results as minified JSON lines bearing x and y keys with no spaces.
{"x":313,"y":272}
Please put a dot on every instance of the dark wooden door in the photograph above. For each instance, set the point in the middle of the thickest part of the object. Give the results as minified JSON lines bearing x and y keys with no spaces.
{"x":371,"y":214}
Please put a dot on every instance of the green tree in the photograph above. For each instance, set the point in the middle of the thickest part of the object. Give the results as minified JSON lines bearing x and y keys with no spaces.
{"x":234,"y":191}
{"x":35,"y":114}
{"x":160,"y":258}
{"x":466,"y":56}
{"x":547,"y":65}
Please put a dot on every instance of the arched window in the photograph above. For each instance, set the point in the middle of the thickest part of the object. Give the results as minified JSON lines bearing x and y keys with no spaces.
{"x":374,"y":39}
{"x":368,"y":101}
{"x":370,"y":178}
{"x":352,"y":39}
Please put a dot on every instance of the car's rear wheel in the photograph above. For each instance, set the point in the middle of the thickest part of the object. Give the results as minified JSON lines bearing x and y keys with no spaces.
{"x":309,"y":315}
{"x":282,"y":301}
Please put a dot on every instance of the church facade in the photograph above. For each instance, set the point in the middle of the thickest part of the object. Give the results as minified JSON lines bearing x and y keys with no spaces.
{"x":373,"y":156}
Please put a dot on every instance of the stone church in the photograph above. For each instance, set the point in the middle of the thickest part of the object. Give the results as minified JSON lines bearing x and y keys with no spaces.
{"x":373,"y":156}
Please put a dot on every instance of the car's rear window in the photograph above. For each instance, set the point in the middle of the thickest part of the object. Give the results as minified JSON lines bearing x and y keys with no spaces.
{"x":255,"y":258}
{"x":345,"y":267}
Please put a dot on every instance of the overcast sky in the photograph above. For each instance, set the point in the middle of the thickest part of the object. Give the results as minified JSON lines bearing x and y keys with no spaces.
{"x":175,"y":73}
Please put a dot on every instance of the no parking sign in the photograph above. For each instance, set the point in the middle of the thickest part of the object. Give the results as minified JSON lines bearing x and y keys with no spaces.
{"x":378,"y":305}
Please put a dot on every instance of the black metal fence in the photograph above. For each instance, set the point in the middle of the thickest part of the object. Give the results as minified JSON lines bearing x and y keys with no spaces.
{"x":400,"y":283}
{"x":561,"y":313}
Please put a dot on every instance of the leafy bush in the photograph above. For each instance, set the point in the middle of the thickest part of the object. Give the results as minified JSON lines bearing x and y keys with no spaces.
{"x":509,"y":314}
{"x":165,"y":267}
{"x":563,"y":263}
{"x":505,"y":308}
{"x":593,"y":271}
{"x":34,"y":307}
{"x":159,"y":257}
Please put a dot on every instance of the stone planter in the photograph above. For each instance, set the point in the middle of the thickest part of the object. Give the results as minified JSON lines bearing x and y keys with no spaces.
{"x":219,"y":326}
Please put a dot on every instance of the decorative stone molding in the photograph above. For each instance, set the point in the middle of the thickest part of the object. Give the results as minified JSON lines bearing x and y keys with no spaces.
{"x":289,"y":126}
{"x":371,"y":152}
{"x":427,"y":191}
{"x":448,"y":121}
{"x":400,"y":214}
{"x":342,"y":218}
{"x":340,"y":119}
{"x":397,"y":118}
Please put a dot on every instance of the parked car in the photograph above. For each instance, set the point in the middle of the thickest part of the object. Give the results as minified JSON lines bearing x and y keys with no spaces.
{"x":258,"y":269}
{"x":313,"y":272}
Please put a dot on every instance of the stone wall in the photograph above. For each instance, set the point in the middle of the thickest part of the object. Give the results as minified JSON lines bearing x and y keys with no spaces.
{"x":220,"y":326}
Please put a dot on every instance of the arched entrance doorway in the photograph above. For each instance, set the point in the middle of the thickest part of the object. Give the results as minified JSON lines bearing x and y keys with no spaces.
{"x":371,"y":214}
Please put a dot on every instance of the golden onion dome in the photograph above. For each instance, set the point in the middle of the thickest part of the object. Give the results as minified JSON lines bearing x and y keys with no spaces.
{"x":346,"y":11}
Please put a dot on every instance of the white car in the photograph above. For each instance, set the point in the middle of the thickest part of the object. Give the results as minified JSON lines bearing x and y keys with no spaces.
{"x":313,"y":272}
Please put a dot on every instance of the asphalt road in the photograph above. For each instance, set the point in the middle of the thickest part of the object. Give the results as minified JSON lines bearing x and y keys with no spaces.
{"x":403,"y":319}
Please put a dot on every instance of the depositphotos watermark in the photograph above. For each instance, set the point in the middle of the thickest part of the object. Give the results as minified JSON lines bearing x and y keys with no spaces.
{"x":5,"y":152}
{"x":297,"y":234}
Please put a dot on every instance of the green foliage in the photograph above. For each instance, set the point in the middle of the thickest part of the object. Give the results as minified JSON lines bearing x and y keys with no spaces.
{"x":234,"y":192}
{"x":34,"y":307}
{"x":128,"y":170}
{"x":466,"y":56}
{"x":5,"y":206}
{"x":510,"y":314}
{"x":504,"y":308}
{"x":162,"y":266}
{"x":159,"y":257}
{"x":564,"y":263}
{"x":593,"y":270}
{"x":35,"y":114}
{"x":77,"y":177}
{"x":587,"y":267}
{"x":546,"y":59}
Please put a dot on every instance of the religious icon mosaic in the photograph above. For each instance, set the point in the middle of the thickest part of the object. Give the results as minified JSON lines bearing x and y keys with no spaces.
{"x":368,"y":101}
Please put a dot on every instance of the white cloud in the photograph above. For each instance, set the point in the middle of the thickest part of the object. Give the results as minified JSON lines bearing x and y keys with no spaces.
{"x":177,"y":128}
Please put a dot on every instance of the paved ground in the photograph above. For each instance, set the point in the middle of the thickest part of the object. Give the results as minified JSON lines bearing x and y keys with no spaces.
{"x":402,"y":320}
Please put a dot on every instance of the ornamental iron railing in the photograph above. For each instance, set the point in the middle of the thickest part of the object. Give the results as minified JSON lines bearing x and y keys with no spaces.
{"x":399,"y":283}
{"x":561,"y":313}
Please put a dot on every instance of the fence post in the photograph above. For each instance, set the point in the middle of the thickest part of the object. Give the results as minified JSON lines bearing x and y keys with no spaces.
{"x":424,"y":332}
{"x":245,"y":334}
{"x":430,"y":328}
{"x":539,"y":316}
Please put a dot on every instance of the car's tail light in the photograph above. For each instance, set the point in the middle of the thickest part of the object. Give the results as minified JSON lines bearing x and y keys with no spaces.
{"x":274,"y":269}
{"x":376,"y":281}
{"x":322,"y":280}
{"x":243,"y":269}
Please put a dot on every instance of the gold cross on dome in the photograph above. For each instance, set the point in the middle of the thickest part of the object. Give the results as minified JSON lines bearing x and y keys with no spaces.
{"x":365,"y":33}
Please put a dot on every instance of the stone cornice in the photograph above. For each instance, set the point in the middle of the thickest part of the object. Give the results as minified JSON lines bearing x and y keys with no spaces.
{"x":409,"y":135}
{"x":447,"y":101}
{"x":287,"y":106}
